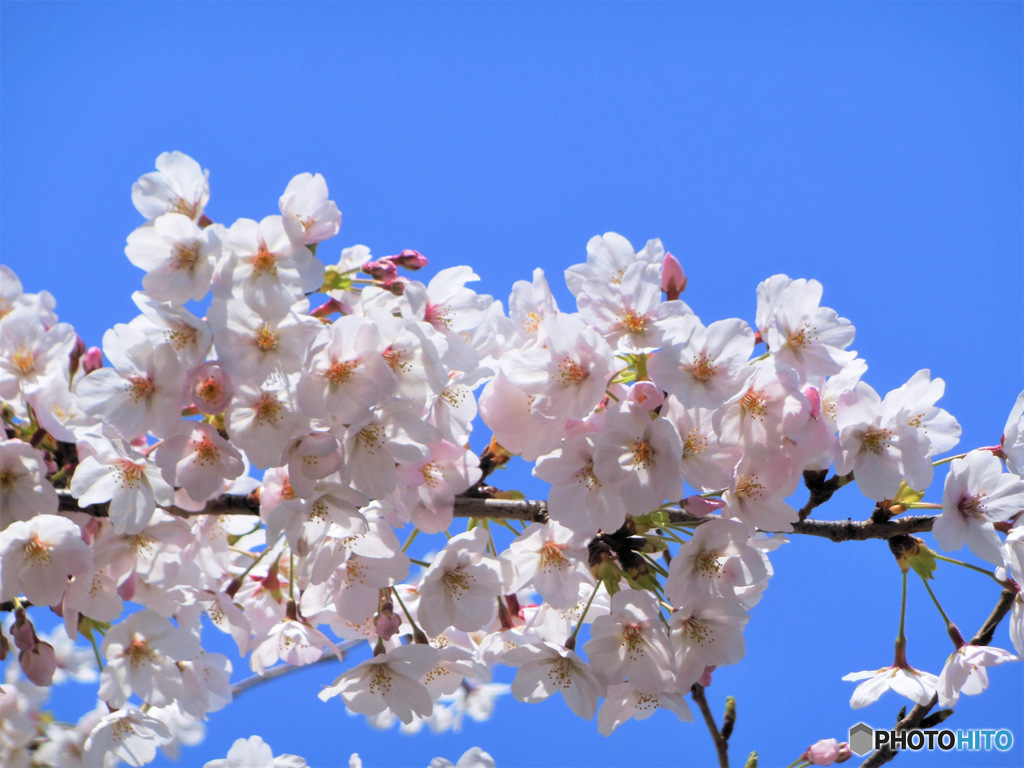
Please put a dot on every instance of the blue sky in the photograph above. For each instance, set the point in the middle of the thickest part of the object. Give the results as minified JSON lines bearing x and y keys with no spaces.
{"x":875,"y":147}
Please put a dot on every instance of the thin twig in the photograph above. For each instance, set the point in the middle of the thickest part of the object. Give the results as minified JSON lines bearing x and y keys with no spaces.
{"x":284,"y":669}
{"x":721,"y":745}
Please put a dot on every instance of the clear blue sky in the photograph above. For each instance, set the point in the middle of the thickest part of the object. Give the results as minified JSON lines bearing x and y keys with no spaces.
{"x":876,"y":147}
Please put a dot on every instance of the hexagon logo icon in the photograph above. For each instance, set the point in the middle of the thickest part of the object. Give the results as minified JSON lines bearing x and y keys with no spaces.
{"x":862,"y":739}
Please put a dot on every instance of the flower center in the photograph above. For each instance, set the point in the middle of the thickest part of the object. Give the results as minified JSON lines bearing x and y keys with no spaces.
{"x":551,"y":557}
{"x":129,"y":474}
{"x":704,"y":367}
{"x":632,"y":322}
{"x":138,"y":652}
{"x":264,"y":263}
{"x":754,"y":403}
{"x":457,"y":581}
{"x":587,"y":477}
{"x":24,"y":360}
{"x":36,"y":552}
{"x":439,"y":316}
{"x":185,"y":257}
{"x":643,"y":454}
{"x":876,"y":440}
{"x":371,"y":439}
{"x":749,"y":487}
{"x":706,"y":563}
{"x":178,"y":205}
{"x":340,"y":372}
{"x":267,"y":409}
{"x":971,"y":506}
{"x":206,"y":452}
{"x":571,"y":372}
{"x":432,"y":474}
{"x":694,"y":443}
{"x":141,"y":387}
{"x":698,"y":632}
{"x":393,"y":357}
{"x":266,"y":339}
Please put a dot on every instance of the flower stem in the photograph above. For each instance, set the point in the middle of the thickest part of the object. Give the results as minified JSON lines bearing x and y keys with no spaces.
{"x":901,"y":638}
{"x":571,"y":642}
{"x":935,"y":600}
{"x":411,"y":539}
{"x":948,"y":459}
{"x":954,"y":561}
{"x":418,"y":635}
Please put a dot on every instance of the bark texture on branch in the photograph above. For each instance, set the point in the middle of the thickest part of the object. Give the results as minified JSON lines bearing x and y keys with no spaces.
{"x":537,"y":511}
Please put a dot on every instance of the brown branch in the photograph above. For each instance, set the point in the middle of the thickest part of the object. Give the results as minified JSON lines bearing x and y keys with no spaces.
{"x":537,"y":511}
{"x":821,"y":489}
{"x":721,"y":744}
{"x":506,"y":509}
{"x":988,"y":629}
{"x":910,"y":722}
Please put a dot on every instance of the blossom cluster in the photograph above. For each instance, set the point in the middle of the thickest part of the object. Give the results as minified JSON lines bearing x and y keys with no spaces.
{"x":672,"y":447}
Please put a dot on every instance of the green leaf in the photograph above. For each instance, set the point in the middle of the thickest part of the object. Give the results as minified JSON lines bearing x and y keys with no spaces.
{"x":510,"y":495}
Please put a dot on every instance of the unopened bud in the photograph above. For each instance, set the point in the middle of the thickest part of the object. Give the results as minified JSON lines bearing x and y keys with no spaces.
{"x":698,"y":506}
{"x":39,"y":664}
{"x":751,"y":760}
{"x":646,"y":395}
{"x":23,"y":632}
{"x":396,"y":286}
{"x":387,"y":622}
{"x":824,"y":752}
{"x":409,"y":259}
{"x":729,"y":719}
{"x":92,"y":360}
{"x":673,"y":279}
{"x":382,"y":270}
{"x":76,"y":355}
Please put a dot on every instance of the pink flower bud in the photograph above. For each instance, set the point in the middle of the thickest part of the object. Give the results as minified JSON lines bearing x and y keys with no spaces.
{"x":76,"y":354}
{"x":39,"y":664}
{"x":673,"y":279}
{"x":396,"y":286}
{"x":698,"y":506}
{"x":382,"y":270}
{"x":209,"y":388}
{"x":824,"y":752}
{"x":23,"y":632}
{"x":409,"y":259}
{"x":387,"y":622}
{"x":92,"y":360}
{"x":646,"y":395}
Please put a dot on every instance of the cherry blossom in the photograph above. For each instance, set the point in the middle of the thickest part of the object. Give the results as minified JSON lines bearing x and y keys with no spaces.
{"x":977,"y":493}
{"x":38,"y":555}
{"x":546,"y":669}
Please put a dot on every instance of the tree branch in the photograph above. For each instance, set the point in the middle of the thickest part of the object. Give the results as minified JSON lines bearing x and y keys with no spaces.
{"x":537,"y":511}
{"x":284,"y":669}
{"x":721,"y":744}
